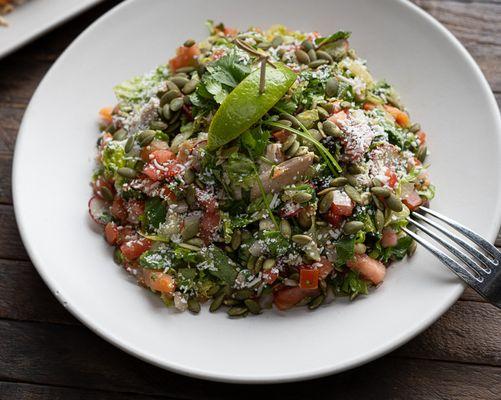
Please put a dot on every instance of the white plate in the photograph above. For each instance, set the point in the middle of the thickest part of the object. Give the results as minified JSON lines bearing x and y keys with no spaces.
{"x":35,"y":17}
{"x":444,"y":90}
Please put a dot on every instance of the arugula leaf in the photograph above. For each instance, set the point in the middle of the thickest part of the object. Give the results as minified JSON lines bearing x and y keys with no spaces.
{"x":345,"y":250}
{"x":156,"y":259}
{"x":255,"y":140}
{"x":240,"y":170}
{"x":221,"y":266}
{"x":332,"y":38}
{"x":274,"y":242}
{"x":141,"y":88}
{"x":154,"y":212}
{"x":353,"y":285}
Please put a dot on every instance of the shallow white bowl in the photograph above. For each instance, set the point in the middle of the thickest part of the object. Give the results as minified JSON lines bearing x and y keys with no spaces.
{"x":439,"y":82}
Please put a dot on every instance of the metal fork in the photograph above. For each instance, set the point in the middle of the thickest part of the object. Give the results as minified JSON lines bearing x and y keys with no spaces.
{"x":478,"y":266}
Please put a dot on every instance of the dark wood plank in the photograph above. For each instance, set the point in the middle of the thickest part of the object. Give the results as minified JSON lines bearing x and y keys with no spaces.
{"x":478,"y":27}
{"x":25,"y":391}
{"x":85,"y":361}
{"x":11,"y":246}
{"x":24,"y":296}
{"x":5,"y":178}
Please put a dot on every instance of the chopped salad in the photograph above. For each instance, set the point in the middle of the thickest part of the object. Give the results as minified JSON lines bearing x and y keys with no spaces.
{"x":258,"y":168}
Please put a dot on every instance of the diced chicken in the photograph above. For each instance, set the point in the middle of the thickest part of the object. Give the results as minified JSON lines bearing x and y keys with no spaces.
{"x":285,"y":173}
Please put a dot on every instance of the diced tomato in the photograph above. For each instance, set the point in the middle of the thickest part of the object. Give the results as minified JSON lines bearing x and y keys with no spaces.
{"x":125,"y":234}
{"x":308,"y":277}
{"x":206,"y":199}
{"x":392,"y":178}
{"x":368,"y":268}
{"x":324,"y":268}
{"x":185,"y":57}
{"x":162,"y":156}
{"x":118,"y":209}
{"x":401,"y":117}
{"x":421,"y":135}
{"x":369,"y":106}
{"x":105,"y":114}
{"x":173,"y":168}
{"x":135,"y":208}
{"x":134,"y":248}
{"x":153,"y":146}
{"x":342,"y":204}
{"x":111,"y":233}
{"x":209,"y":224}
{"x":389,"y":238}
{"x":334,"y":219}
{"x":270,"y":276}
{"x":412,"y":200}
{"x":153,"y":172}
{"x":338,"y":117}
{"x":289,"y":297}
{"x":99,"y":183}
{"x":230,"y":31}
{"x":159,"y":281}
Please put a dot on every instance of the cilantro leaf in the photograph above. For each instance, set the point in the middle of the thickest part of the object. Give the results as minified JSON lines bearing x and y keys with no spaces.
{"x":345,"y":250}
{"x":154,"y":212}
{"x":332,"y":38}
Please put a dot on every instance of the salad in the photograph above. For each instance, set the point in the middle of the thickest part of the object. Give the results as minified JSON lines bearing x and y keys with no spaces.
{"x":258,"y":168}
{"x":7,"y":6}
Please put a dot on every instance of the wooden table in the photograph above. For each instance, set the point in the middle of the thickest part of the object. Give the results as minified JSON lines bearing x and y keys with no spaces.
{"x":45,"y":353}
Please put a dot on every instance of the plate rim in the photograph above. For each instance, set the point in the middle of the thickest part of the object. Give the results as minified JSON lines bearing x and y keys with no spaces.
{"x":222,"y":377}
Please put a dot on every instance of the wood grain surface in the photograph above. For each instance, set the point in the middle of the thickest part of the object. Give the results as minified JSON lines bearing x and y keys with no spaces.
{"x":45,"y":353}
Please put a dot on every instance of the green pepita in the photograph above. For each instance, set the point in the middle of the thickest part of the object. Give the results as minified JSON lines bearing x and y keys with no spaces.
{"x":169,"y":96}
{"x":301,"y":239}
{"x":285,"y":228}
{"x":189,"y":43}
{"x":253,"y":306}
{"x":166,"y":112}
{"x":301,"y":197}
{"x":191,"y":227}
{"x":326,"y":202}
{"x":379,"y":220}
{"x":317,"y":63}
{"x":269,"y":263}
{"x":120,"y":135}
{"x":217,"y":302}
{"x":339,"y":181}
{"x":415,"y":128}
{"x":312,"y":55}
{"x":307,"y":45}
{"x":345,"y":104}
{"x":243,"y":294}
{"x":213,"y":290}
{"x":352,"y":227}
{"x":127,"y":172}
{"x":129,"y":144}
{"x":353,"y":193}
{"x":331,"y":87}
{"x":292,"y":119}
{"x":331,"y":129}
{"x":302,"y":57}
{"x":236,"y":240}
{"x":422,"y":153}
{"x":158,"y":125}
{"x":176,"y":104}
{"x":316,"y":302}
{"x":322,"y":113}
{"x":190,"y":86}
{"x":381,"y":191}
{"x":146,"y":137}
{"x":193,"y":306}
{"x":179,"y":81}
{"x":189,"y":176}
{"x":322,"y":55}
{"x":311,"y":251}
{"x":106,"y":193}
{"x":186,"y":70}
{"x":304,"y":218}
{"x":277,"y":41}
{"x":237,"y":311}
{"x":394,"y":203}
{"x":289,"y":142}
{"x":264,"y":45}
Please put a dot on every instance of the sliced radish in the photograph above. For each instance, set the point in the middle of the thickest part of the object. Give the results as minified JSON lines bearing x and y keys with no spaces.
{"x":389,"y":238}
{"x":99,"y":210}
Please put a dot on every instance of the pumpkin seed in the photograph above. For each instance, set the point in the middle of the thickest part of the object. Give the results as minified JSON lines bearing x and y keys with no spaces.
{"x":166,"y":112}
{"x":352,"y":180}
{"x":322,"y":55}
{"x":355,"y":169}
{"x":329,"y":107}
{"x":120,"y":135}
{"x":345,"y":104}
{"x":412,"y":248}
{"x":217,"y":302}
{"x":360,"y":248}
{"x":312,"y":55}
{"x":173,"y":127}
{"x":195,"y":242}
{"x":106,"y":193}
{"x":291,"y":152}
{"x":415,"y":128}
{"x":353,"y":193}
{"x":269,"y":263}
{"x":326,"y":202}
{"x":283,"y":122}
{"x":289,"y":142}
{"x":331,"y":129}
{"x":264,"y":45}
{"x":243,"y":294}
{"x":258,"y":264}
{"x":236,"y":240}
{"x":422,"y":153}
{"x":352,"y":227}
{"x":176,"y":104}
{"x":146,"y":137}
{"x":302,"y":57}
{"x":316,"y":302}
{"x":285,"y":228}
{"x":366,"y":198}
{"x":213,"y":290}
{"x":190,"y":86}
{"x":230,"y":302}
{"x":301,"y":197}
{"x":301,"y":151}
{"x":331,"y":87}
{"x":185,"y":69}
{"x":187,"y":100}
{"x":189,"y":176}
{"x":189,"y":246}
{"x":339,"y":181}
{"x":277,"y":41}
{"x":379,"y":220}
{"x":189,"y":43}
{"x":169,"y":96}
{"x":129,"y":144}
{"x":307,"y":45}
{"x":253,"y":306}
{"x":158,"y":125}
{"x":292,"y":119}
{"x":376,"y":182}
{"x":179,"y":81}
{"x":191,"y":227}
{"x":381,"y":191}
{"x":237,"y":311}
{"x":317,"y":63}
{"x":394,"y":203}
{"x":193,"y":306}
{"x":379,"y":204}
{"x":325,"y":191}
{"x":251,"y":262}
{"x":127,"y":172}
{"x":301,"y":239}
{"x":304,"y":218}
{"x":311,"y":251}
